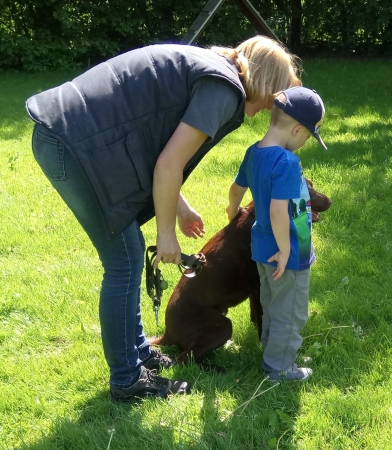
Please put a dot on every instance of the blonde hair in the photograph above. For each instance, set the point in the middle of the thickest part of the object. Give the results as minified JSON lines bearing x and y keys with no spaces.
{"x":264,"y":66}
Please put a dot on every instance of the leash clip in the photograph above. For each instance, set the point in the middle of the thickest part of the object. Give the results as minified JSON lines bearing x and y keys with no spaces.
{"x":191,"y":265}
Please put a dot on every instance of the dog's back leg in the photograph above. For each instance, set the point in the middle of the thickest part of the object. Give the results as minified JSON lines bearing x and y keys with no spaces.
{"x":256,"y":311}
{"x":217,"y":330}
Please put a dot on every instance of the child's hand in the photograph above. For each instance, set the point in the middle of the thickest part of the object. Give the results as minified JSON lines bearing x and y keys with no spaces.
{"x":231,"y":212}
{"x":236,"y":194}
{"x":281,"y":259}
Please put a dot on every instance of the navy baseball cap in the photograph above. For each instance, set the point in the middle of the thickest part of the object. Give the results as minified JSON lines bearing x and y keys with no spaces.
{"x":305,"y":106}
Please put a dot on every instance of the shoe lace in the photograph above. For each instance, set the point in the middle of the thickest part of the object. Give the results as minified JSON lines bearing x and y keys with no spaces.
{"x":153,"y":378}
{"x":156,"y":353}
{"x":164,"y":359}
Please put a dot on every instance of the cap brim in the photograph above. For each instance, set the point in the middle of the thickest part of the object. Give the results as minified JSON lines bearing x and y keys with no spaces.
{"x":317,"y":136}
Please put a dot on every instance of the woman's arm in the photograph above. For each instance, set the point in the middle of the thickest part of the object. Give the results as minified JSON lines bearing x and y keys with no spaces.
{"x":168,"y":177}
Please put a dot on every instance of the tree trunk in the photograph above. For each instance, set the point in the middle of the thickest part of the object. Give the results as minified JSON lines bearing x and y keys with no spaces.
{"x":296,"y":23}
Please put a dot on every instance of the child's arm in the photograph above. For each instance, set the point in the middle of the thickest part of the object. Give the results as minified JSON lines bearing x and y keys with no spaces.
{"x":280,"y":222}
{"x":236,"y":194}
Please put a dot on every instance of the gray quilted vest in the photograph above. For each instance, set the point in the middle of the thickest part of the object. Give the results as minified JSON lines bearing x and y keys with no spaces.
{"x":118,"y":116}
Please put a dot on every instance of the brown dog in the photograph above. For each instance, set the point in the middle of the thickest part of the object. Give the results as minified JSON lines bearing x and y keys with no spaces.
{"x":196,"y":313}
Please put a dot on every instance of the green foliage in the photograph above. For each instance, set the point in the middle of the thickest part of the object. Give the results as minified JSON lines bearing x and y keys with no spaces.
{"x":347,"y":27}
{"x":37,"y":35}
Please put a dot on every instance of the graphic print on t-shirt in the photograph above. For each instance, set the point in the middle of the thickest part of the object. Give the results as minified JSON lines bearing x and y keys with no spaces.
{"x":301,"y":213}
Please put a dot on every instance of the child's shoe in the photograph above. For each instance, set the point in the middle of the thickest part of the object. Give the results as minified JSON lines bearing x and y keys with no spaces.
{"x":293,"y":373}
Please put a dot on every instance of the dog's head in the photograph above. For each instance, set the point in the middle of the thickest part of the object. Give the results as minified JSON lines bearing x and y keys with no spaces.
{"x":319,"y":201}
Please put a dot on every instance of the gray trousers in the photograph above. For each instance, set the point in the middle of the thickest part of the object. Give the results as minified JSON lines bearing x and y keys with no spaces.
{"x":285,"y":312}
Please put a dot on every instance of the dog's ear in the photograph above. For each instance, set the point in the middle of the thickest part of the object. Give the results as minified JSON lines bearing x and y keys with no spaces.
{"x":309,"y":183}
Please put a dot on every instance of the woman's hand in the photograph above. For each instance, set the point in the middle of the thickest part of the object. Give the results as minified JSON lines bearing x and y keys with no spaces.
{"x":192,"y":225}
{"x":168,"y":249}
{"x":189,"y":220}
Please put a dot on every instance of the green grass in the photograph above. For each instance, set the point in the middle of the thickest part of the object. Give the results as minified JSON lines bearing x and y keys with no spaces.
{"x":53,"y":377}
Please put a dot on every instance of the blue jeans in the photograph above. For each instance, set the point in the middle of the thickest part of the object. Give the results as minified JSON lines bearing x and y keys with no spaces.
{"x":124,"y":342}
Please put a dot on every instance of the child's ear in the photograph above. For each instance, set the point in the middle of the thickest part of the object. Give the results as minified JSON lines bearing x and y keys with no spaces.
{"x":296,"y":129}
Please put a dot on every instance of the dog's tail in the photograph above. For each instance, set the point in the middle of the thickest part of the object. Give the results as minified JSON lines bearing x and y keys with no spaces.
{"x":162,"y":340}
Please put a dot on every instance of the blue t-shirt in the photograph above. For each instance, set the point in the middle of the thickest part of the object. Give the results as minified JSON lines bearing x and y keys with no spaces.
{"x":276,"y":173}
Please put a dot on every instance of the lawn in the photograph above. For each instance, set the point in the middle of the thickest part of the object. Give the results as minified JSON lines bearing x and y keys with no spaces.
{"x":53,"y":377}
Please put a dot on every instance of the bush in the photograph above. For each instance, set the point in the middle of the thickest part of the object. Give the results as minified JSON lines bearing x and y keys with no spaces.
{"x":37,"y":35}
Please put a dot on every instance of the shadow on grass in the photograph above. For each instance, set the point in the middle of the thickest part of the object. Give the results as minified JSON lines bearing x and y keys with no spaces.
{"x":221,"y":413}
{"x":262,"y":415}
{"x":104,"y":425}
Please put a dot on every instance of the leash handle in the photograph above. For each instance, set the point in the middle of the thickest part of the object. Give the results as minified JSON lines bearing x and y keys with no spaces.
{"x":155,"y":284}
{"x":189,"y":266}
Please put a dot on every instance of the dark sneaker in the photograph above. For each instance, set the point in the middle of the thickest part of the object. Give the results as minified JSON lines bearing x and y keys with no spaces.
{"x":148,"y":385}
{"x":157,"y":361}
{"x":293,"y":373}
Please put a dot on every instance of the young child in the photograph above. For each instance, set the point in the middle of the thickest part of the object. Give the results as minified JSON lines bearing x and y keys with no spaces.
{"x":281,"y":234}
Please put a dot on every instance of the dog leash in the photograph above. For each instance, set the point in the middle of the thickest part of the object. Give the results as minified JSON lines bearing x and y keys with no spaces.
{"x":190,"y":266}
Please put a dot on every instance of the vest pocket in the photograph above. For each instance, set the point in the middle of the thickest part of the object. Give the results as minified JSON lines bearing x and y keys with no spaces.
{"x":124,"y":169}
